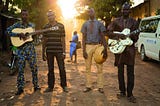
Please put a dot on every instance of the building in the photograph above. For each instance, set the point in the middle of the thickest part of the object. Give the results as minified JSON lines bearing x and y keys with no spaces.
{"x":145,"y":9}
{"x":5,"y":21}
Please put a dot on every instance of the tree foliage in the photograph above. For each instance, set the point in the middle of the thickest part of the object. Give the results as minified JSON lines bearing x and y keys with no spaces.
{"x":105,"y":9}
{"x":37,"y":9}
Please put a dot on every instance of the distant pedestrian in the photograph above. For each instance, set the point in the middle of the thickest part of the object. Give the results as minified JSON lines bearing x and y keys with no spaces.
{"x":73,"y":47}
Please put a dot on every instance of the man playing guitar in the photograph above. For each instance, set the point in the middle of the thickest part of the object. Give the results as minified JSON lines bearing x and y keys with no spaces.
{"x":127,"y":57}
{"x":25,"y":52}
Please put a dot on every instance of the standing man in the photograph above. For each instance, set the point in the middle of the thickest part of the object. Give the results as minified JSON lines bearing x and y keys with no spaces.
{"x":54,"y":46}
{"x":127,"y":57}
{"x":93,"y":36}
{"x":25,"y":52}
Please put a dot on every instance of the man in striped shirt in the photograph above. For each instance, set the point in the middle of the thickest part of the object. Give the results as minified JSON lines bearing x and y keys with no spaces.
{"x":54,"y":46}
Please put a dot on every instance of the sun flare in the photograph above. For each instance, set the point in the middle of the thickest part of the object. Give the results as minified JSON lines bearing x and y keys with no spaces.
{"x":67,"y":7}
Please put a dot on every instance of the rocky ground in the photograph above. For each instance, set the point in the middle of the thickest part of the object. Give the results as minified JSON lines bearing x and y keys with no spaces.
{"x":147,"y":85}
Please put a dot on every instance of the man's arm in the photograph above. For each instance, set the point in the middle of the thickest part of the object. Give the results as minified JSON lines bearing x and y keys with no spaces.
{"x":83,"y":42}
{"x":10,"y":28}
{"x":44,"y":40}
{"x":103,"y":40}
{"x":110,"y":31}
{"x":85,"y":55}
{"x":64,"y":44}
{"x":63,"y":41}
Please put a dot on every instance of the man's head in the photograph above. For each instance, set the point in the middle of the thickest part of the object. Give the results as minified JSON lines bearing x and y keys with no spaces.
{"x":24,"y":15}
{"x":51,"y":16}
{"x":125,"y":9}
{"x":91,"y":13}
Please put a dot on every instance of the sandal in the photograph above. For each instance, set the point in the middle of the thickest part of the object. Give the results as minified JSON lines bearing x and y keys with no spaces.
{"x":132,"y":99}
{"x":101,"y":90}
{"x":121,"y":95}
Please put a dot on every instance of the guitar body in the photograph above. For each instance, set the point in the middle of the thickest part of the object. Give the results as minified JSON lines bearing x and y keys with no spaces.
{"x":16,"y":41}
{"x":118,"y":46}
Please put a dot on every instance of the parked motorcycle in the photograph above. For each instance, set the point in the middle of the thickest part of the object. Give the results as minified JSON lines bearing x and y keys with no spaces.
{"x":13,"y":68}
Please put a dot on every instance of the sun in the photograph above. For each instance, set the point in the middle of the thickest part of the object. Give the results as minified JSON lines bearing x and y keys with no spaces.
{"x":67,"y":7}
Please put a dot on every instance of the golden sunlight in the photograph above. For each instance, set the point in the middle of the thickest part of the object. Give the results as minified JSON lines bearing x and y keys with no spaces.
{"x":67,"y":8}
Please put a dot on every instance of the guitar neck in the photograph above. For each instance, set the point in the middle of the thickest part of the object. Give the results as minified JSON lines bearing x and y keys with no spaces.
{"x":144,"y":27}
{"x":40,"y":31}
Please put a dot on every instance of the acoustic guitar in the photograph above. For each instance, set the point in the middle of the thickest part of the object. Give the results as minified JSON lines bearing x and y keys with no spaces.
{"x":29,"y":32}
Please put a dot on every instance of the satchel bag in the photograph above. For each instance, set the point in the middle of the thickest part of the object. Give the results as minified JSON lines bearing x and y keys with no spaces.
{"x":78,"y":44}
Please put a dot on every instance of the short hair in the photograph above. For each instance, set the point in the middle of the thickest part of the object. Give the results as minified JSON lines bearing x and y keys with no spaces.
{"x":24,"y":10}
{"x":91,"y":9}
{"x":50,"y":13}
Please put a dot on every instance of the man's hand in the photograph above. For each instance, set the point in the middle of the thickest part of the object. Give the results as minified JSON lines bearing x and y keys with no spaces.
{"x":85,"y":55}
{"x":44,"y":57}
{"x":64,"y":55}
{"x":122,"y":36}
{"x":104,"y":53}
{"x":22,"y":36}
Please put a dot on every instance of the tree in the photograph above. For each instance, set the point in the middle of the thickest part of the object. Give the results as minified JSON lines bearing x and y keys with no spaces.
{"x":105,"y":9}
{"x":37,"y":10}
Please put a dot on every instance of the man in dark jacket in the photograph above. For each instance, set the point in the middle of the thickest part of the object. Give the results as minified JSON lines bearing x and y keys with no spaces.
{"x":127,"y":57}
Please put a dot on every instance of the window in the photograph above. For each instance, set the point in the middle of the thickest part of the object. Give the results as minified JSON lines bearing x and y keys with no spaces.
{"x":151,"y":28}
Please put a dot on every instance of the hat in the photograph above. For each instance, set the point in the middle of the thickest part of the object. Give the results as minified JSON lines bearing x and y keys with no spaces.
{"x":98,"y":55}
{"x":126,"y":5}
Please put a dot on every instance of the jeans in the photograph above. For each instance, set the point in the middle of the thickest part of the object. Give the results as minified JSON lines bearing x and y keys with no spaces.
{"x":62,"y":71}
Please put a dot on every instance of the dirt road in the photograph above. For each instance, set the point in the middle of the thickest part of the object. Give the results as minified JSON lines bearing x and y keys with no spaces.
{"x":147,"y":85}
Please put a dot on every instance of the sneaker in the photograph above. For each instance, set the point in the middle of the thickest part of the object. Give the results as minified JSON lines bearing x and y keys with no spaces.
{"x":87,"y":89}
{"x":19,"y":92}
{"x":37,"y":89}
{"x":132,"y":99}
{"x":65,"y":89}
{"x":121,"y":95}
{"x":48,"y":90}
{"x":101,"y":90}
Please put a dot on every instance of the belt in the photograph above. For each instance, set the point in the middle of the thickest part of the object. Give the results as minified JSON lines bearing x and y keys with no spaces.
{"x":92,"y":43}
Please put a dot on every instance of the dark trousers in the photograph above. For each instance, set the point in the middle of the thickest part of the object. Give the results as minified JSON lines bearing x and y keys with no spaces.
{"x":62,"y":71}
{"x":130,"y":79}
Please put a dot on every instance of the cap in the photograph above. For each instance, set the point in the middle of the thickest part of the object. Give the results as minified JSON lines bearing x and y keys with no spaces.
{"x":126,"y":5}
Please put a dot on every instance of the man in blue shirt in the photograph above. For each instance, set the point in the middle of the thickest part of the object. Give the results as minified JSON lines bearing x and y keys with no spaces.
{"x":93,"y":37}
{"x":25,"y":52}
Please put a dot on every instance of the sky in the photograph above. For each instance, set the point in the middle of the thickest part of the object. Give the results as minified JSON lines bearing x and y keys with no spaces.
{"x":136,"y":2}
